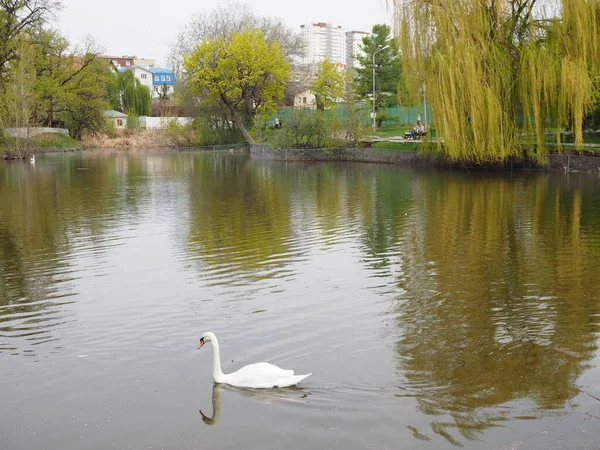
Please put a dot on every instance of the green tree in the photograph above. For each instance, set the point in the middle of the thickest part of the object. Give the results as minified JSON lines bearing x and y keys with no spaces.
{"x":16,"y":18}
{"x":71,"y":85}
{"x":127,"y":94}
{"x":354,"y":119}
{"x":328,"y":85}
{"x":20,"y":96}
{"x":387,"y":68}
{"x":592,"y":120}
{"x":244,"y":73}
{"x":46,"y":83}
{"x":498,"y":74}
{"x":81,"y":106}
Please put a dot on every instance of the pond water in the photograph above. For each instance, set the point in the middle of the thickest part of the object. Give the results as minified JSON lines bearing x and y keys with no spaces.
{"x":435,"y":309}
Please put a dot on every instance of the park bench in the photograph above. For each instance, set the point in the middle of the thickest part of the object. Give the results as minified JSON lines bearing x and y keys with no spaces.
{"x":418,"y":136}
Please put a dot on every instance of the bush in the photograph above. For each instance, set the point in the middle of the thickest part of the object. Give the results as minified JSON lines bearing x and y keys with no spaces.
{"x":383,"y":115}
{"x":352,"y":124}
{"x":110,"y":128}
{"x":183,"y":135}
{"x":200,"y":133}
{"x":306,"y":129}
{"x":133,"y":122}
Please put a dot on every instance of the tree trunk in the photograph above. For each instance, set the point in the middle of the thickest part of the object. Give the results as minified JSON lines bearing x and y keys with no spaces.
{"x":239,"y":122}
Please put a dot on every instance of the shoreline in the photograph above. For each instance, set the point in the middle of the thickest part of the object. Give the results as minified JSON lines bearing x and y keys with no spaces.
{"x":563,"y":163}
{"x":557,"y":162}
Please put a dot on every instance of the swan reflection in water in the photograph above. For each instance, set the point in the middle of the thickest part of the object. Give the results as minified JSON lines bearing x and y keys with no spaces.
{"x":290,"y":394}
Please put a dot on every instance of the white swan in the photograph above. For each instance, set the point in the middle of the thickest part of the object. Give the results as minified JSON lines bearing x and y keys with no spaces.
{"x":260,"y":375}
{"x":32,"y":159}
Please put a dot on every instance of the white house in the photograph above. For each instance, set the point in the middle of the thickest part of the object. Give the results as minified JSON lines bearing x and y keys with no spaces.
{"x":117,"y":117}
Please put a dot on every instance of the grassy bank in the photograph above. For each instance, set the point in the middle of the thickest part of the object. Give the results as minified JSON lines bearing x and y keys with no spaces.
{"x":15,"y":147}
{"x":393,"y":130}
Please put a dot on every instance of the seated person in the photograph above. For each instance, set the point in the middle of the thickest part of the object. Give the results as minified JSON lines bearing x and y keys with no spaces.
{"x":417,"y":130}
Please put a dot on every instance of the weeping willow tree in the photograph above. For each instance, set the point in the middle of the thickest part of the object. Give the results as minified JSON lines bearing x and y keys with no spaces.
{"x":500,"y":73}
{"x":127,"y":94}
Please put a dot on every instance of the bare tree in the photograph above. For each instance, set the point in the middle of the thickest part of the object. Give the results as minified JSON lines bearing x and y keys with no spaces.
{"x":228,"y":18}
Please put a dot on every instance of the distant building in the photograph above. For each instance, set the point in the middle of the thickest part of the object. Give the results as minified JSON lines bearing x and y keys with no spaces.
{"x":129,"y":61}
{"x":163,"y":80}
{"x":117,"y":117}
{"x":321,"y":41}
{"x":119,"y":61}
{"x":354,"y":48}
{"x":158,"y":80}
{"x":146,"y":63}
{"x":305,"y":99}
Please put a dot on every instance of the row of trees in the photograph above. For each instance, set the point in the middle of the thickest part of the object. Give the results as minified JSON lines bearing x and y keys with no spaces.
{"x":45,"y":82}
{"x":234,"y":67}
{"x":41,"y":82}
{"x":499,"y":75}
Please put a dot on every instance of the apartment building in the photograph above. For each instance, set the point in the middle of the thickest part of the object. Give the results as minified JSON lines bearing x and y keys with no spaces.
{"x":354,"y":48}
{"x":324,"y":40}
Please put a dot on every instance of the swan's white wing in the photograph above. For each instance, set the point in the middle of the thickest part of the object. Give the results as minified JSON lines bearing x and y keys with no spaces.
{"x":263,"y":371}
{"x":259,"y":375}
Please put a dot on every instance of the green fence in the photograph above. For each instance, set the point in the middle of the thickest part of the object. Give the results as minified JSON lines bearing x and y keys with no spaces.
{"x":401,"y":115}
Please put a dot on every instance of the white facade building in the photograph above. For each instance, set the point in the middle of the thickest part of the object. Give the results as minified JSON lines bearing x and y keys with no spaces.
{"x":323,"y":40}
{"x":354,"y":48}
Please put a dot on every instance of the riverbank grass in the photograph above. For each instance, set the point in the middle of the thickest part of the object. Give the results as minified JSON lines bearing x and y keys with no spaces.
{"x":391,"y":130}
{"x":14,"y":147}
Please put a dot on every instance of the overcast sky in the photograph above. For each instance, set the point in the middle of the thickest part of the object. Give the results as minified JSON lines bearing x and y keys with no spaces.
{"x":146,"y":27}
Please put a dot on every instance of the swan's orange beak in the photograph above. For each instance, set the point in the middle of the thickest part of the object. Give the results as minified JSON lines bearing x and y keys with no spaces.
{"x":201,"y":343}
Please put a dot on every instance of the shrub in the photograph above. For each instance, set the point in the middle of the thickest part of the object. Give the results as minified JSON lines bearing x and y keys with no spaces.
{"x":307,"y":129}
{"x":110,"y":129}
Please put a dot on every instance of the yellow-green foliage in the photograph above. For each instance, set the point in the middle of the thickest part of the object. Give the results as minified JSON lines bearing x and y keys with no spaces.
{"x":244,"y":72}
{"x":328,"y":85}
{"x":489,"y":65}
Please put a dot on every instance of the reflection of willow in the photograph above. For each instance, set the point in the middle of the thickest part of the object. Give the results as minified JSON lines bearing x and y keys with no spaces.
{"x":291,"y":394}
{"x":499,"y":305}
{"x":240,"y":217}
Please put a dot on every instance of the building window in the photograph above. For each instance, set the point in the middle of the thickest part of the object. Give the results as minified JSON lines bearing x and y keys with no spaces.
{"x":127,"y":63}
{"x":143,"y":76}
{"x":119,"y":123}
{"x":304,"y":100}
{"x":155,"y":77}
{"x":162,"y":78}
{"x":168,"y":77}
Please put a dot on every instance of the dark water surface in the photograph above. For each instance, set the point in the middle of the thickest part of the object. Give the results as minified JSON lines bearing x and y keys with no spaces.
{"x":435,"y":309}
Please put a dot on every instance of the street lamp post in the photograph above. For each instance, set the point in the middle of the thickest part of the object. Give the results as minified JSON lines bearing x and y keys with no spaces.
{"x":379,"y":49}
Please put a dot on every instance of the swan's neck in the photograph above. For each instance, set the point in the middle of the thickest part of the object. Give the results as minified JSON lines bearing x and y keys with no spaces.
{"x":217,"y":372}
